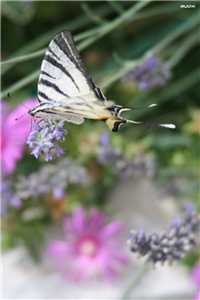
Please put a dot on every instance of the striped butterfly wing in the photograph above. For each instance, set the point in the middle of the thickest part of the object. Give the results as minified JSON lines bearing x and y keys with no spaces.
{"x":63,"y":77}
{"x":63,"y":74}
{"x":66,"y":90}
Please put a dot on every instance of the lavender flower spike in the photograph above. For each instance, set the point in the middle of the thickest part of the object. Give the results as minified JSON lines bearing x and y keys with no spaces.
{"x":173,"y":244}
{"x":43,"y":138}
{"x":153,"y":72}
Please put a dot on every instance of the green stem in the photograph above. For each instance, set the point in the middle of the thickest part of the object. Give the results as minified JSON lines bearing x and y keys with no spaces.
{"x":185,"y":27}
{"x":45,"y":37}
{"x":179,"y":86}
{"x":139,"y":16}
{"x":76,"y":23}
{"x":23,"y":57}
{"x":175,"y":88}
{"x":103,"y":31}
{"x":181,"y":51}
{"x":21,"y":83}
{"x":116,"y":6}
{"x":108,"y":27}
{"x":93,"y":35}
{"x":137,"y":280}
{"x":92,"y":15}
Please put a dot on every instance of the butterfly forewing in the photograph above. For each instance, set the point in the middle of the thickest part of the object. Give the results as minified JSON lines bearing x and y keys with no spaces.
{"x":63,"y":74}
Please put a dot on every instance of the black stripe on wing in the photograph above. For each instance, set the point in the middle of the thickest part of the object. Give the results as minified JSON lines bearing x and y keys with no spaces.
{"x":53,"y":86}
{"x":53,"y":53}
{"x":44,"y":96}
{"x":58,"y":65}
{"x":64,"y":40}
{"x":47,"y":74}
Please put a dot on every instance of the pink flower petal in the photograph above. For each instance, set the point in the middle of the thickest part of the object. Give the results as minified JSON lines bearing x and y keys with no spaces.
{"x":14,"y":134}
{"x":96,"y":219}
{"x":58,"y":248}
{"x":112,"y":229}
{"x":195,"y":275}
{"x":79,"y":263}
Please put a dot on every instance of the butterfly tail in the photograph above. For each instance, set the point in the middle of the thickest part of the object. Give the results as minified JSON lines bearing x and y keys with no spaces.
{"x":171,"y":126}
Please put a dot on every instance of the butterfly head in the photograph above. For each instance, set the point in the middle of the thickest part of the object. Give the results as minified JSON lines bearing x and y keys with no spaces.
{"x":42,"y":110}
{"x":35,"y":112}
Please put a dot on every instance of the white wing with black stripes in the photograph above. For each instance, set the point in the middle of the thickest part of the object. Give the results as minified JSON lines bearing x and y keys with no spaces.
{"x":63,"y":73}
{"x":67,"y":92}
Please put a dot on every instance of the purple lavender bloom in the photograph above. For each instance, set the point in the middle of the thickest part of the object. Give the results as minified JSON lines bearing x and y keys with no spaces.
{"x":124,"y":167}
{"x":43,"y":139}
{"x":49,"y":179}
{"x":58,"y":193}
{"x":121,"y":165}
{"x":151,"y":63}
{"x":153,"y":72}
{"x":131,"y":167}
{"x":8,"y":198}
{"x":107,"y":154}
{"x":173,"y":244}
{"x":138,"y":166}
{"x":105,"y":139}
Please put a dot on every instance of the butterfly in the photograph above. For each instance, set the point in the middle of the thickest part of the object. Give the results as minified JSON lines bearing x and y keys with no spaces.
{"x":67,"y":92}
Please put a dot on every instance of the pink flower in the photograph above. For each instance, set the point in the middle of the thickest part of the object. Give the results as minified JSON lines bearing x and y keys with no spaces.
{"x":197,"y":296}
{"x":195,"y":276}
{"x":91,"y":247}
{"x":14,"y":133}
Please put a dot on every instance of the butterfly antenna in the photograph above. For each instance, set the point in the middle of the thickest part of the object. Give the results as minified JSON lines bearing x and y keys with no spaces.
{"x":17,"y":119}
{"x":9,"y":96}
{"x":122,"y":109}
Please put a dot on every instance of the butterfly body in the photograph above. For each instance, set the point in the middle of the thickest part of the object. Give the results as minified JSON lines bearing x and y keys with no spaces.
{"x":77,"y":109}
{"x":67,"y":92}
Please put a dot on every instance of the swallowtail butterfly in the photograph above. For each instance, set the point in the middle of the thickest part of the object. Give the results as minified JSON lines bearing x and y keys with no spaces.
{"x":67,"y":92}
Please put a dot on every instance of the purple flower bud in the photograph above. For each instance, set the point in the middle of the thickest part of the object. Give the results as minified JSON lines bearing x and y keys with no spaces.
{"x":49,"y":179}
{"x":43,"y":139}
{"x":153,"y":72}
{"x":175,"y":243}
{"x":105,"y":139}
{"x":8,"y":198}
